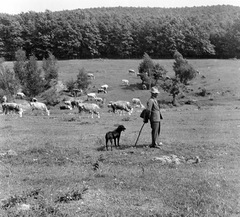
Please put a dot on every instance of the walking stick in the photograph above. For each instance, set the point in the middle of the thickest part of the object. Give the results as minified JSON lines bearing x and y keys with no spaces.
{"x":139,"y":134}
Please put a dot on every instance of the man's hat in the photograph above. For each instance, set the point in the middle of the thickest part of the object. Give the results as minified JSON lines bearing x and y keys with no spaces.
{"x":154,"y":90}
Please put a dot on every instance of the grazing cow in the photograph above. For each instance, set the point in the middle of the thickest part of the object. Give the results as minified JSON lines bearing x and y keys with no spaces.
{"x":91,"y":76}
{"x":125,"y":82}
{"x":20,"y":95}
{"x":101,"y":90}
{"x":137,"y":103}
{"x":12,"y":107}
{"x":4,"y":99}
{"x":91,"y":96}
{"x":39,"y":106}
{"x":98,"y":99}
{"x":122,"y":106}
{"x":105,"y":86}
{"x":68,"y":103}
{"x":75,"y":91}
{"x":74,"y":103}
{"x":90,"y":108}
{"x":144,"y":86}
{"x":131,"y":71}
{"x":65,"y":107}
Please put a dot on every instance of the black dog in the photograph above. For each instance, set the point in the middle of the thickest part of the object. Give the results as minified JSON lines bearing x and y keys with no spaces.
{"x":114,"y":135}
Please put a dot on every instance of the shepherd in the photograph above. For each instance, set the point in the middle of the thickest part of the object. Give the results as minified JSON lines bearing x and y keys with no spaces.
{"x":154,"y":115}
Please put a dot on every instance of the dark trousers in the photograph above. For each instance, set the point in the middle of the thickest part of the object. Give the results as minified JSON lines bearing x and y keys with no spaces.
{"x":156,"y":127}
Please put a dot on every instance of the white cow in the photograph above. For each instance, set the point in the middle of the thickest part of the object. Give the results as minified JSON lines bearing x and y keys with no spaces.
{"x":122,"y":106}
{"x":91,"y":96}
{"x":98,"y":99}
{"x":4,"y":99}
{"x":11,"y":107}
{"x":65,"y":107}
{"x":74,"y":103}
{"x":101,"y":90}
{"x":91,"y":76}
{"x":137,"y":103}
{"x":105,"y":86}
{"x":20,"y":95}
{"x":144,"y":86}
{"x":69,"y":104}
{"x":125,"y":82}
{"x":131,"y":71}
{"x":39,"y":106}
{"x":90,"y":108}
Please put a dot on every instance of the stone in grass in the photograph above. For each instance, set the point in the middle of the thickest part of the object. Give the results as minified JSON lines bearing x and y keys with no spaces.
{"x":11,"y":152}
{"x":24,"y":207}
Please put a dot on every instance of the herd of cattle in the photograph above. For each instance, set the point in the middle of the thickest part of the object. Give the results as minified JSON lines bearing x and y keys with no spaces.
{"x":91,"y":104}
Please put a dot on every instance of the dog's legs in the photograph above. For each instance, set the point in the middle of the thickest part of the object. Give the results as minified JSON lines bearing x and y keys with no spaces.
{"x":115,"y":142}
{"x":107,"y":144}
{"x":111,"y":144}
{"x":97,"y":113}
{"x":118,"y":138}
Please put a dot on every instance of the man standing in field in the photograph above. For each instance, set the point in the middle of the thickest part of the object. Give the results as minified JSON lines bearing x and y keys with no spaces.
{"x":154,"y":115}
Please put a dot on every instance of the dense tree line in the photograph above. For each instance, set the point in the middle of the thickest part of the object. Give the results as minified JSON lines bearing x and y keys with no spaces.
{"x":123,"y":32}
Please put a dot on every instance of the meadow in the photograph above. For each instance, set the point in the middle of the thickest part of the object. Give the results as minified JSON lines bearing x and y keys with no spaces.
{"x":58,"y":165}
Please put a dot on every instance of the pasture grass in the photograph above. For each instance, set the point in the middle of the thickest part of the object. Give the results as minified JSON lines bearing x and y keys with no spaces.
{"x":63,"y":156}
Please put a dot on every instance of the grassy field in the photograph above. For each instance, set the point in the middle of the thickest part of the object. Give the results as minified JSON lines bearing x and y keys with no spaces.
{"x":58,"y":165}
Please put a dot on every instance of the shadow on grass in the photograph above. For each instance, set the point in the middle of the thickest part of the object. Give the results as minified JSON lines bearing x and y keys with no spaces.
{"x":122,"y":147}
{"x":133,"y":87}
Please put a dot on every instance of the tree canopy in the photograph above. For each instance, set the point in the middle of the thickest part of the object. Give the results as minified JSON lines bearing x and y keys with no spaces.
{"x":123,"y":32}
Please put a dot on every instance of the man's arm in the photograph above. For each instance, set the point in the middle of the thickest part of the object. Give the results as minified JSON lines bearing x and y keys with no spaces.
{"x":149,"y":109}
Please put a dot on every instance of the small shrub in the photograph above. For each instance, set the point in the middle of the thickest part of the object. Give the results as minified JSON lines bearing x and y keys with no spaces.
{"x":183,"y":70}
{"x":51,"y":97}
{"x":73,"y":195}
{"x":126,"y":119}
{"x":203,"y":92}
{"x":50,"y":69}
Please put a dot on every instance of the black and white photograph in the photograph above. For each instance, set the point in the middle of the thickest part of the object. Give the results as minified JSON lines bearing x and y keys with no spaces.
{"x":119,"y":108}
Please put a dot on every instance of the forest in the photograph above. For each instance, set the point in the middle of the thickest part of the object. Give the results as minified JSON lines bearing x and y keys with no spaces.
{"x":123,"y":33}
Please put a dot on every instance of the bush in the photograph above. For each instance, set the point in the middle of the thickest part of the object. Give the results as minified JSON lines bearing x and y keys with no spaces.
{"x":50,"y":97}
{"x":146,"y":65}
{"x":82,"y":81}
{"x":8,"y":83}
{"x":19,"y":66}
{"x":183,"y":70}
{"x":150,"y":72}
{"x":71,"y":85}
{"x":50,"y":69}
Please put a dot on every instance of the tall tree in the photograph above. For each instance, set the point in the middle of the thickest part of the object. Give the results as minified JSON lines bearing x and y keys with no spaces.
{"x":82,"y":81}
{"x":33,"y":84}
{"x":50,"y":69}
{"x":8,"y":82}
{"x":19,"y":66}
{"x":159,"y":72}
{"x":183,"y":70}
{"x":146,"y":67}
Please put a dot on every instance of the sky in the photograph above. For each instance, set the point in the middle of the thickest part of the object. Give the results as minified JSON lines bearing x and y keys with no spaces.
{"x":19,"y":6}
